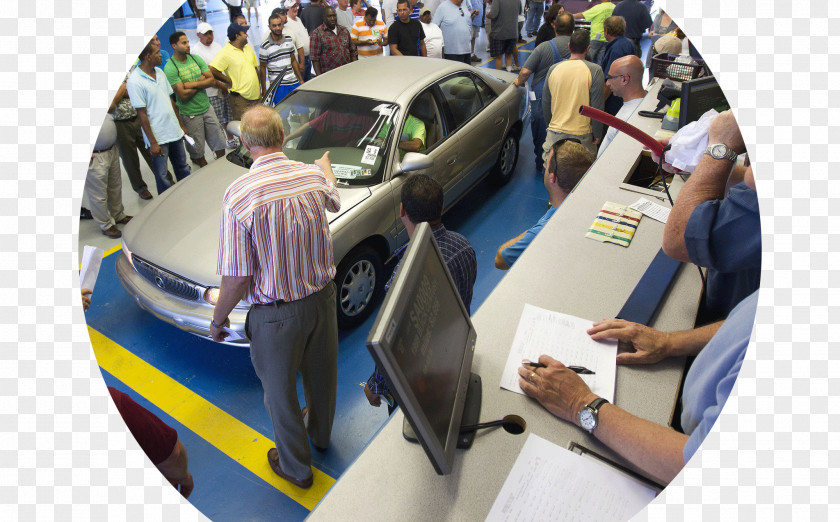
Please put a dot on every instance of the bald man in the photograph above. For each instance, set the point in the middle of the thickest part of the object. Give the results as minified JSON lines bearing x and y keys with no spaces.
{"x":625,"y":81}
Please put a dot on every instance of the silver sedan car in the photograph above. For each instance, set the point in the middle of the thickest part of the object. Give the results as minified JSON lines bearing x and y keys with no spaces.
{"x":368,"y":114}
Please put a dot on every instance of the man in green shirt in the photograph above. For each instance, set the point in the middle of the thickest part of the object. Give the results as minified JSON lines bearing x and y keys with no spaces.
{"x":596,"y":16}
{"x":189,"y":76}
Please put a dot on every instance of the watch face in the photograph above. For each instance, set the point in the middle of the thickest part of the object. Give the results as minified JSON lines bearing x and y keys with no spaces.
{"x":719,"y":151}
{"x":587,"y":420}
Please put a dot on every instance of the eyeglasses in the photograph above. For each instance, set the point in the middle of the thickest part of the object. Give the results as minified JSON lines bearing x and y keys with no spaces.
{"x":462,"y":11}
{"x":611,"y":76}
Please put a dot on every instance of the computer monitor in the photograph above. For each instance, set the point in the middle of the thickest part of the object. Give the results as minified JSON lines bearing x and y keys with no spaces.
{"x":698,"y":96}
{"x":423,"y":342}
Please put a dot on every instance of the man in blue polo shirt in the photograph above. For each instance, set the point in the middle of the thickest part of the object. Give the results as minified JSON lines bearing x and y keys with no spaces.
{"x":566,"y":164}
{"x":163,"y":130}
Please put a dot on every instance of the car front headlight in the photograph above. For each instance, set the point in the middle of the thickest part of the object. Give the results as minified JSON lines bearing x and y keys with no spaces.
{"x":127,"y":253}
{"x":211,"y":295}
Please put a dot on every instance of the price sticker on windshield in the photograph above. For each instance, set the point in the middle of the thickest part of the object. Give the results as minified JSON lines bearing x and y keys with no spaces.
{"x":370,"y":154}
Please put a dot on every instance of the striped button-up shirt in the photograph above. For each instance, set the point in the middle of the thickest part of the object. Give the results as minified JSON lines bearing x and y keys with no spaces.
{"x":274,"y":227}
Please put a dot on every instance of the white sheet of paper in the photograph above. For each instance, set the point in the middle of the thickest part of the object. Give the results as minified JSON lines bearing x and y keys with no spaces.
{"x":232,"y":335}
{"x":652,"y":210}
{"x":564,"y":338}
{"x":91,"y":261}
{"x":548,"y":482}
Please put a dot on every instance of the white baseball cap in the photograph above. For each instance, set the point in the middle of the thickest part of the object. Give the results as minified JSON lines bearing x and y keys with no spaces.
{"x":203,"y":28}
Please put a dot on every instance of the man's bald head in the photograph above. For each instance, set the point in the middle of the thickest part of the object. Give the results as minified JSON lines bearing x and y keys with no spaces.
{"x":261,"y":127}
{"x":630,"y":65}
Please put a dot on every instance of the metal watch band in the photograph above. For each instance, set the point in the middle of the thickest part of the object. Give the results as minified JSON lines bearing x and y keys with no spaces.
{"x":729,"y":154}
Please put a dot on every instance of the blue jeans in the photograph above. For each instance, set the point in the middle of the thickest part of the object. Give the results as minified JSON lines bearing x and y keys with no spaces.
{"x":174,"y":151}
{"x":539,"y":127}
{"x":307,"y":69}
{"x":534,"y":17}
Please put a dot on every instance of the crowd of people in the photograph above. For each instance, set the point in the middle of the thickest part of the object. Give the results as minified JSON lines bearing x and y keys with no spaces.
{"x":163,"y":111}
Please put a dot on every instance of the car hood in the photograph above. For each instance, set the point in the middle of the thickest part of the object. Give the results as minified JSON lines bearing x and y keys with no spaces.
{"x":179,"y":230}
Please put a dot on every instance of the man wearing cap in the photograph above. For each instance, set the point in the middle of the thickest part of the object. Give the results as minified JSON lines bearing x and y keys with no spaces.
{"x":294,"y":27}
{"x":238,"y":60}
{"x":331,"y":45}
{"x":189,"y":77}
{"x":278,"y":57}
{"x":207,"y":49}
{"x":455,"y":24}
{"x":369,"y":35}
{"x":434,"y":36}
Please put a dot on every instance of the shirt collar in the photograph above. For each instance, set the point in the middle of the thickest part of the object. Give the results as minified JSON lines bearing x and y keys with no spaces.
{"x":267,"y":158}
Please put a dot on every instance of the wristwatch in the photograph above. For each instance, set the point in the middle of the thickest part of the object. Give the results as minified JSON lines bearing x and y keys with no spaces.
{"x":721,"y":151}
{"x":588,"y":416}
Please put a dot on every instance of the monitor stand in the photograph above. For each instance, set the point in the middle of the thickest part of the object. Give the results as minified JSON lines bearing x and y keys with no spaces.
{"x":472,"y":411}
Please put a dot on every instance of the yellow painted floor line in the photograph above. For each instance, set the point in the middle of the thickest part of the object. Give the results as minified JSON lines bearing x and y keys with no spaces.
{"x":232,"y":437}
{"x":112,"y":250}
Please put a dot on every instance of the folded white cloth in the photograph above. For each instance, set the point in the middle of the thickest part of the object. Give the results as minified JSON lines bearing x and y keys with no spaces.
{"x":690,"y":142}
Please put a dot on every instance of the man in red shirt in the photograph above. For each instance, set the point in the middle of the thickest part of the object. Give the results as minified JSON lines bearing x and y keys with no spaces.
{"x":330,"y":45}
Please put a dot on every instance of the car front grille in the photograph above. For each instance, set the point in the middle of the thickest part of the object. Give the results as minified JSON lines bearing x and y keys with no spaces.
{"x":165,"y":280}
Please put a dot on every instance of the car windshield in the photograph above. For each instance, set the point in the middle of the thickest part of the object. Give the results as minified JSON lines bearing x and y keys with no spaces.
{"x":355,"y":130}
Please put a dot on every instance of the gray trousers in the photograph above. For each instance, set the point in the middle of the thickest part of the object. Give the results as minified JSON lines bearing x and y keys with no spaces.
{"x":290,"y":338}
{"x":103,"y":186}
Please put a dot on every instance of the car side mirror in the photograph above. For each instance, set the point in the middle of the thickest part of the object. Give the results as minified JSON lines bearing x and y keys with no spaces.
{"x":233,"y":128}
{"x":414,"y":161}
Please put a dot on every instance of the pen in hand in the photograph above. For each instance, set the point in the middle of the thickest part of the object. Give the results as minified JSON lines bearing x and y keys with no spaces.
{"x":576,"y":369}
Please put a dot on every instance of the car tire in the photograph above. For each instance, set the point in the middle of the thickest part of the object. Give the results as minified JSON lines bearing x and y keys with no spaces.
{"x":359,"y":280}
{"x":506,"y":162}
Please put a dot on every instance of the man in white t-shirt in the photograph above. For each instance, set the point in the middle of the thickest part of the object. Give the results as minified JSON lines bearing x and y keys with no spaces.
{"x":625,"y":80}
{"x":434,"y":36}
{"x":207,"y":48}
{"x":294,"y":26}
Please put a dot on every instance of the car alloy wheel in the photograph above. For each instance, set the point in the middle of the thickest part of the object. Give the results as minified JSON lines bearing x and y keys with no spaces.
{"x":508,"y":156}
{"x":359,"y":282}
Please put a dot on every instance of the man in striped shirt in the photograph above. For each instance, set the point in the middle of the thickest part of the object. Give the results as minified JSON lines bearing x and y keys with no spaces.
{"x":369,"y":35}
{"x":278,"y":58}
{"x":275,"y":251}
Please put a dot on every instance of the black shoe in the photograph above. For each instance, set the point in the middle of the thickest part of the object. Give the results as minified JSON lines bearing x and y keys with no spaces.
{"x":145,"y":194}
{"x":85,"y":214}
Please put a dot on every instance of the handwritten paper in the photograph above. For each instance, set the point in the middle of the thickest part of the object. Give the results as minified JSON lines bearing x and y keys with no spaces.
{"x":652,"y":210}
{"x":548,"y":482}
{"x":564,"y":338}
{"x":91,"y":261}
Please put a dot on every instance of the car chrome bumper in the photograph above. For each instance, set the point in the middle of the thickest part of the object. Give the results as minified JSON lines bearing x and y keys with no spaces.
{"x":191,"y":316}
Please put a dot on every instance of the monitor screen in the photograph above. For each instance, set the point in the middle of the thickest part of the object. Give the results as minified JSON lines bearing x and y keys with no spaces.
{"x":698,"y":96}
{"x":423,"y":342}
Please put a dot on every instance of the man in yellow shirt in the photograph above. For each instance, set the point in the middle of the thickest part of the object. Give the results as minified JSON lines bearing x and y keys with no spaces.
{"x":596,"y":16}
{"x":239,"y":61}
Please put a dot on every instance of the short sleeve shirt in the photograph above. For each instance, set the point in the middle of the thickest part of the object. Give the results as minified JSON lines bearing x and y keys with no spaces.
{"x":406,"y":36}
{"x":711,"y":377}
{"x":241,"y":67}
{"x":596,"y":16}
{"x":274,"y":227}
{"x":155,"y":437}
{"x":189,"y":70}
{"x":153,"y":94}
{"x":277,"y":57}
{"x":366,"y":34}
{"x":724,"y":235}
{"x":512,"y":253}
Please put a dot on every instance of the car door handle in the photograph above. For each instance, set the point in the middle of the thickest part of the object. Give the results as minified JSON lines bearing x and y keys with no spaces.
{"x":451,"y":161}
{"x":499,"y":121}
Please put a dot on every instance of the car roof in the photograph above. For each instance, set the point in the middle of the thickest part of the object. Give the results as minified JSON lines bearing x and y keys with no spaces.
{"x":386,"y":78}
